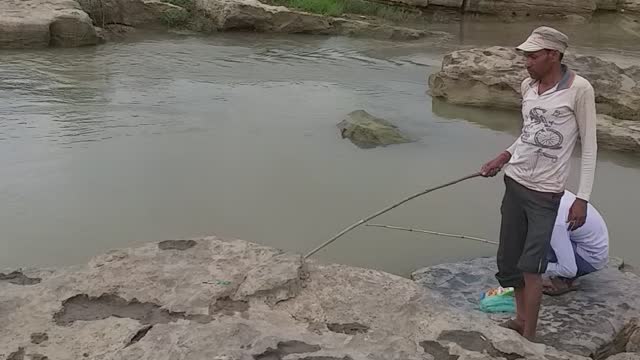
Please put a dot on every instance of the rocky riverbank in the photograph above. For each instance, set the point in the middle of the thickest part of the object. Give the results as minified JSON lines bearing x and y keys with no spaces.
{"x":528,"y":7}
{"x":221,"y":298}
{"x":71,"y":23}
{"x":491,"y":77}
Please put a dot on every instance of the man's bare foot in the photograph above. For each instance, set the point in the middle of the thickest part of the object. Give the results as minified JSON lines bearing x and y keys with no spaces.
{"x":515,"y":325}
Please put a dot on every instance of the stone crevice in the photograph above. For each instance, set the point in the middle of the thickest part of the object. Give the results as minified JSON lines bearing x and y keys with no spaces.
{"x":475,"y":341}
{"x":227,"y":306}
{"x":437,"y":350}
{"x":39,"y":338}
{"x":285,"y":348}
{"x":180,"y":245}
{"x":85,"y":308}
{"x":621,"y":341}
{"x":139,"y":335}
{"x":18,"y":278}
{"x":17,"y":355}
{"x":348,"y":328}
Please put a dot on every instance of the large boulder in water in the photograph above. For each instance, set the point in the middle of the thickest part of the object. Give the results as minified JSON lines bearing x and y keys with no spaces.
{"x":226,"y":299}
{"x":488,"y":77}
{"x":33,"y":23}
{"x":136,"y":13}
{"x":491,"y":77}
{"x":618,"y":135}
{"x":590,"y":321}
{"x":367,"y":131}
{"x":631,"y":5}
{"x":256,"y":16}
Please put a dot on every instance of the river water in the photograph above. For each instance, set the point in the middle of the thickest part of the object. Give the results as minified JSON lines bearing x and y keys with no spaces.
{"x":177,"y":136}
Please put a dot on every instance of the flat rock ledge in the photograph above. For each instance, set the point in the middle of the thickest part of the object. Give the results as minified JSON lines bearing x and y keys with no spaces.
{"x":217,"y":298}
{"x":598,"y":320}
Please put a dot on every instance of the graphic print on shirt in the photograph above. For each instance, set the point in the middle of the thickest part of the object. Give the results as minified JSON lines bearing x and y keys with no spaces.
{"x":539,"y":132}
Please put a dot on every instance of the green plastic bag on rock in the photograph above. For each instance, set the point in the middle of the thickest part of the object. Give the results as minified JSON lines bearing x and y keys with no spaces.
{"x":500,"y":300}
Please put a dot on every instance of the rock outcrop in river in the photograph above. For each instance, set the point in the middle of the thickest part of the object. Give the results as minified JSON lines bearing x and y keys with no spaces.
{"x":126,"y":12}
{"x":40,"y":23}
{"x":491,"y":77}
{"x":367,"y":131}
{"x":217,"y":298}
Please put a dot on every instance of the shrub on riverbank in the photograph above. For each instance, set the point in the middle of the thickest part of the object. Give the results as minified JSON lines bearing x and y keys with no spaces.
{"x":178,"y":18}
{"x":186,"y":19}
{"x":342,"y":7}
{"x":175,"y":18}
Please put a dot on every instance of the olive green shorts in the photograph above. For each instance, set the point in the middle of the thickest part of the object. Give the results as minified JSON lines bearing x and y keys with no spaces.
{"x":528,"y":218}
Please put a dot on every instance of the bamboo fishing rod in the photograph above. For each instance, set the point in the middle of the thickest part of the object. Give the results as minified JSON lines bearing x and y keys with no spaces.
{"x":391,"y":207}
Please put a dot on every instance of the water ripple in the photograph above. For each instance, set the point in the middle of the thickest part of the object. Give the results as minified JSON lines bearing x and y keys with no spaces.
{"x":93,"y":94}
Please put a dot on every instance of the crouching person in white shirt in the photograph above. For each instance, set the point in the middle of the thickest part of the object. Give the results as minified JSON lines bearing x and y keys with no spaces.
{"x":575,"y":253}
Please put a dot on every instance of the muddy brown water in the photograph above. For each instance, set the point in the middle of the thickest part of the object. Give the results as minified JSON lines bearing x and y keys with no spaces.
{"x":176,"y":136}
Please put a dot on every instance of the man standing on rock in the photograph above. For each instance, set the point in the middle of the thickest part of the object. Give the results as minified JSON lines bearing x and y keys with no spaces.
{"x":557,"y":107}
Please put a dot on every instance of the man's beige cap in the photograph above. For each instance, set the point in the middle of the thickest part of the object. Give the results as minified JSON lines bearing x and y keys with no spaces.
{"x":545,"y":37}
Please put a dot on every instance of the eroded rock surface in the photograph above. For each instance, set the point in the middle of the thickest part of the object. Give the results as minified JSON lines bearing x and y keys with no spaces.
{"x":584,"y":322}
{"x":230,"y":299}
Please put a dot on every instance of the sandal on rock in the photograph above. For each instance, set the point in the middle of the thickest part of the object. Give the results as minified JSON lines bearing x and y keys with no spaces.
{"x":552,"y":291}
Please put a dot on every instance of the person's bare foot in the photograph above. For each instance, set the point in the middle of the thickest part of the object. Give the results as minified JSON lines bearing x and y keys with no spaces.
{"x":515,"y":325}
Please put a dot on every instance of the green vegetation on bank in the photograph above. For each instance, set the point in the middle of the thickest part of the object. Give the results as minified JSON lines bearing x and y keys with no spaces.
{"x":342,"y":7}
{"x":177,"y":18}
